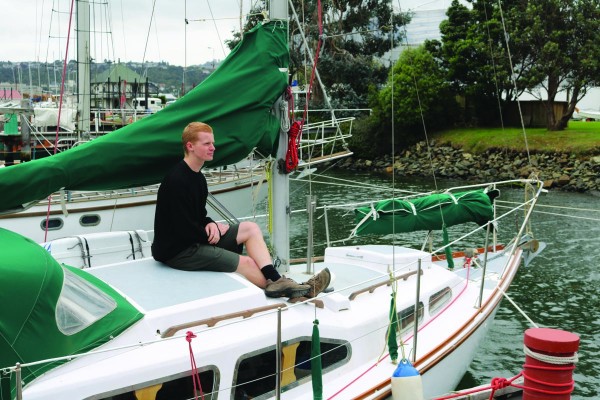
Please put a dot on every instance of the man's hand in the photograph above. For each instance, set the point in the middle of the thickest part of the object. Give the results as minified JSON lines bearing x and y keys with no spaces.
{"x":214,"y":231}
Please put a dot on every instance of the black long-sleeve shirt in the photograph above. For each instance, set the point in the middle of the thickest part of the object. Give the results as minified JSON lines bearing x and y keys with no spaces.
{"x":181,"y":217}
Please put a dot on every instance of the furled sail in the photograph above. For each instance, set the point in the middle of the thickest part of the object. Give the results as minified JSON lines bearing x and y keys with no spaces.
{"x":236,"y":100}
{"x":426,"y":213}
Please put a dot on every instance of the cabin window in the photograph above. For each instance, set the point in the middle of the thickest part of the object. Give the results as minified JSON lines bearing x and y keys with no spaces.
{"x":54,"y":224}
{"x":255,"y":373}
{"x":80,"y":304}
{"x":180,"y":388}
{"x":406,"y":318}
{"x":438,"y":300}
{"x":89,"y":220}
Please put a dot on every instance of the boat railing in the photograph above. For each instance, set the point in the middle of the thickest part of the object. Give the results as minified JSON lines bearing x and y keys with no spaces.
{"x":438,"y":254}
{"x":212,"y":322}
{"x":326,"y":140}
{"x":216,"y":176}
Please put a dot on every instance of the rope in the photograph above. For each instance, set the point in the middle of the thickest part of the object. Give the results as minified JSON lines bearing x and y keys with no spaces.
{"x":291,"y":158}
{"x":567,"y":363}
{"x":195,"y":375}
{"x":495,"y":384}
{"x":557,"y":360}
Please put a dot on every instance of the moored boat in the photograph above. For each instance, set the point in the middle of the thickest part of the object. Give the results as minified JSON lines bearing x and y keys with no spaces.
{"x":131,"y":327}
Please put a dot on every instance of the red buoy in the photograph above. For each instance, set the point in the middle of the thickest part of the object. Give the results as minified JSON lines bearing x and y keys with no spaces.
{"x":550,"y":357}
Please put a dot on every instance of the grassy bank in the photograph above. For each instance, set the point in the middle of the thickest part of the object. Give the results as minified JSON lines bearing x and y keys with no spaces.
{"x":579,"y":138}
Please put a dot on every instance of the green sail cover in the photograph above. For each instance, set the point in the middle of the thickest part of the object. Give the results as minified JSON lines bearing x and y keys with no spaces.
{"x":30,"y":285}
{"x":236,"y":100}
{"x":425,"y":213}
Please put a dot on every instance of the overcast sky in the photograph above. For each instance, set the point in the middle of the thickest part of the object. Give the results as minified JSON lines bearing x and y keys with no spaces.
{"x":30,"y":30}
{"x":128,"y":30}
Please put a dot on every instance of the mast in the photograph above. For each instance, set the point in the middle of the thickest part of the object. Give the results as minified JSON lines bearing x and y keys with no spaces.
{"x":83,"y":68}
{"x":278,"y":10}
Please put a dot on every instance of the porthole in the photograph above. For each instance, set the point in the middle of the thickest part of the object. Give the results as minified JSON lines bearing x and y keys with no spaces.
{"x":54,"y":224}
{"x":406,"y":318}
{"x":89,"y":220}
{"x":255,"y":372}
{"x":439,"y":300}
{"x":179,"y":387}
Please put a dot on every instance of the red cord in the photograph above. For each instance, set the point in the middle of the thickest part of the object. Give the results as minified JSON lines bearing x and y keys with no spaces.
{"x":195,"y":375}
{"x":291,"y":158}
{"x":496,"y":384}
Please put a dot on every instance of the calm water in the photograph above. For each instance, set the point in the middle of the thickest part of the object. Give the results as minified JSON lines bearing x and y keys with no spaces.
{"x":560,"y":289}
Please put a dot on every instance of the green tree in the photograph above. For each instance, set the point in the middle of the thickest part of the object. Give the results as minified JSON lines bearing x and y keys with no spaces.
{"x":473,"y":54}
{"x":356,"y":33}
{"x":417,"y":96}
{"x":562,"y":38}
{"x":552,"y":46}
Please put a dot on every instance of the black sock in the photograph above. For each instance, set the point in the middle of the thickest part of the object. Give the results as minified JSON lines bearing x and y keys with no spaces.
{"x":270,"y":272}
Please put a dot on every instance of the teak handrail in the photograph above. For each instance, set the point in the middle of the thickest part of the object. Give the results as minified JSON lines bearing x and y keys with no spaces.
{"x":371,"y":288}
{"x":212,"y":321}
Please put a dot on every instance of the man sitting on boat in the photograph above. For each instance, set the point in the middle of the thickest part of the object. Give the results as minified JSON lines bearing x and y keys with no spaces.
{"x":186,"y":238}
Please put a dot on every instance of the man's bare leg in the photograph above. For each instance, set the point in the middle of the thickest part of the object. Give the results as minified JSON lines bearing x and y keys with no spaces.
{"x":251,"y":236}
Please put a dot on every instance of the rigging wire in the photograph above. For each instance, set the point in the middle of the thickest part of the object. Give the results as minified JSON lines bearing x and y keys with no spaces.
{"x":428,"y":146}
{"x":123,"y":33}
{"x":145,"y":71}
{"x":60,"y":104}
{"x":185,"y":26}
{"x":512,"y":77}
{"x":498,"y":95}
{"x":215,"y":25}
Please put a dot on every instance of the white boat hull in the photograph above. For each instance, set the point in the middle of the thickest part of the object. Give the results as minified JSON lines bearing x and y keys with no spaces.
{"x":352,"y":316}
{"x":121,"y":210}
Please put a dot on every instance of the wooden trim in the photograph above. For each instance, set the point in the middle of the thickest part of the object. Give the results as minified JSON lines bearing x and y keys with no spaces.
{"x":316,"y":160}
{"x":371,"y":288}
{"x":212,"y":321}
{"x":457,"y":254}
{"x":303,"y":260}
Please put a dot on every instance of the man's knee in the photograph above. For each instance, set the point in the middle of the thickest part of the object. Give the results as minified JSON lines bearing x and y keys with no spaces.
{"x":247,"y":262}
{"x":250,"y":229}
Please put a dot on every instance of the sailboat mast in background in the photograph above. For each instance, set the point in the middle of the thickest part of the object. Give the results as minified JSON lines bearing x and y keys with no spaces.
{"x":83,"y":68}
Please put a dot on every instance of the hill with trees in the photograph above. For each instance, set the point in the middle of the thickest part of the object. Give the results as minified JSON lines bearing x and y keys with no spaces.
{"x":47,"y":76}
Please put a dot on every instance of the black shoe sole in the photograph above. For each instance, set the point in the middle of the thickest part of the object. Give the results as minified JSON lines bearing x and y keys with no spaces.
{"x":291,"y":293}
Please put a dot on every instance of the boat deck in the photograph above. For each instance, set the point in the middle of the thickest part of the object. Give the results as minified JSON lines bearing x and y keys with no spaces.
{"x":153,"y":285}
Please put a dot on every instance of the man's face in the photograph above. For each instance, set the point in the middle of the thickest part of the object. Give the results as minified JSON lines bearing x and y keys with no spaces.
{"x":204,"y":147}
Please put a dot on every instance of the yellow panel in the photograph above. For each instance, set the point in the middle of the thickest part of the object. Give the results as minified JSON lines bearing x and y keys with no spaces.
{"x":148,"y":393}
{"x":288,"y":360}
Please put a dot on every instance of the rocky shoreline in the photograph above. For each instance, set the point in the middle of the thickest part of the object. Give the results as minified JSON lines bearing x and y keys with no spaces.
{"x":558,"y":170}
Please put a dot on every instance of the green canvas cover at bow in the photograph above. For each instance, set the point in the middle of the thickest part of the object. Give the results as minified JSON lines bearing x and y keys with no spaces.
{"x":31,"y":284}
{"x":425,"y":213}
{"x":236,"y":100}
